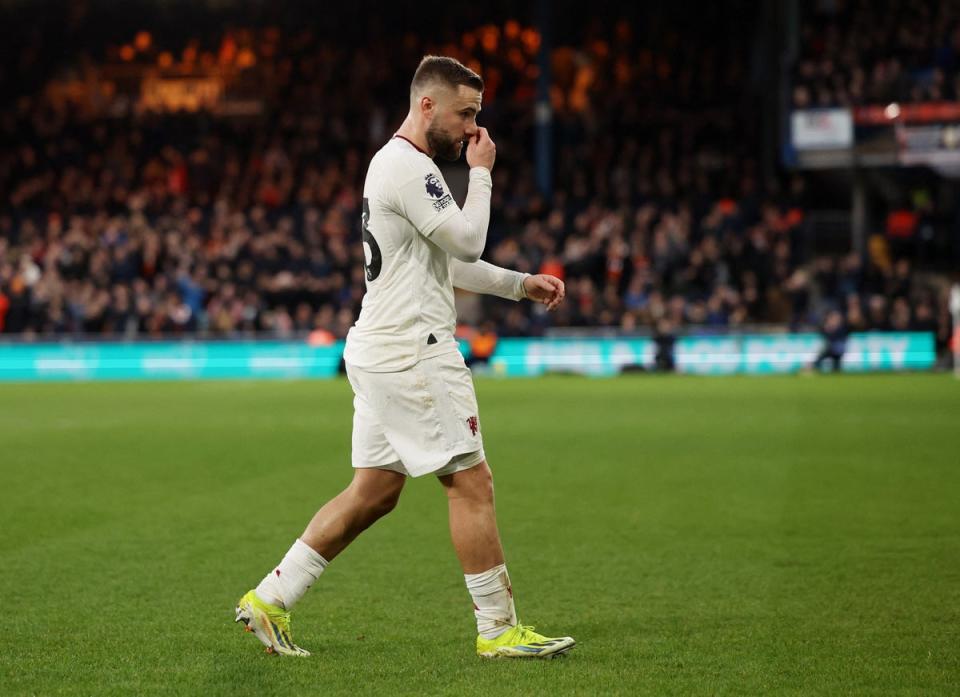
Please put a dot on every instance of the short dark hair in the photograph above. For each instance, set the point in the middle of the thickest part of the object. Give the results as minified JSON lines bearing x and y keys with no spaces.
{"x":446,"y":70}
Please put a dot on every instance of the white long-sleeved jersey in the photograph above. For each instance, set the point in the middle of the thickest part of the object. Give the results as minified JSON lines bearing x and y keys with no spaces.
{"x":417,"y":245}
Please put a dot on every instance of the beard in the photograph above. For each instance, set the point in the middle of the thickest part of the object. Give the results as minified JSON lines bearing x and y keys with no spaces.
{"x":443,"y":145}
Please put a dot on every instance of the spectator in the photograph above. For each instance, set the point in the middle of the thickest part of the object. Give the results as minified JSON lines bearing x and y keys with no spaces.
{"x":834,"y":342}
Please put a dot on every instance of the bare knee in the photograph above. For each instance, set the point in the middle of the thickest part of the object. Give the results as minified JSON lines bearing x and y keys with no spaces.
{"x":475,"y":484}
{"x":384,"y":502}
{"x":375,"y":496}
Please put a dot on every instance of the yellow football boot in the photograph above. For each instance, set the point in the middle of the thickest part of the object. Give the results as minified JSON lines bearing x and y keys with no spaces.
{"x":270,"y":624}
{"x":523,"y":642}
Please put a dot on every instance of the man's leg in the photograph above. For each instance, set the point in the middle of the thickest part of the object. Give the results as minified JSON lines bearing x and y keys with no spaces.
{"x":473,"y":520}
{"x":818,"y":361}
{"x":372,"y":494}
{"x":473,"y":528}
{"x":837,"y":359}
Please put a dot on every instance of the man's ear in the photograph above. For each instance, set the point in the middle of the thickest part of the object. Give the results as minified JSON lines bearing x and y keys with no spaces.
{"x":427,"y":105}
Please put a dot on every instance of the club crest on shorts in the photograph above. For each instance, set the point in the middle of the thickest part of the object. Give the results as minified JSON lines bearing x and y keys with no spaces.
{"x":473,"y":424}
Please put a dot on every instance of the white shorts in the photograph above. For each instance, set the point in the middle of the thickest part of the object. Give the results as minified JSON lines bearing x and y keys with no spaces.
{"x":417,"y":421}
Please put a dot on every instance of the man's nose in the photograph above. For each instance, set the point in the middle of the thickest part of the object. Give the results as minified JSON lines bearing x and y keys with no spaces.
{"x":471,"y":130}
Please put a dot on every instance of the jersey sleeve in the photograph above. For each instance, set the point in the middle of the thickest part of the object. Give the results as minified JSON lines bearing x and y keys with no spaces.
{"x":483,"y":277}
{"x":425,"y":199}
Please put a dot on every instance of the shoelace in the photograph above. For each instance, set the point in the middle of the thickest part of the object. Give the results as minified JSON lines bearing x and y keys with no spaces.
{"x":526,"y":634}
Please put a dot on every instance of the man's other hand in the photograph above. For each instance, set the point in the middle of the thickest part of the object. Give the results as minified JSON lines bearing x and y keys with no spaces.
{"x":544,"y":288}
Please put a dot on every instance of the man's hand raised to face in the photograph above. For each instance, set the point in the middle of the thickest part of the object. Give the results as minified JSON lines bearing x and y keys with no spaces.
{"x":481,"y":150}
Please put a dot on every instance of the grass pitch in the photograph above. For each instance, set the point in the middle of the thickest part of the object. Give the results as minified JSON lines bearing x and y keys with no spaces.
{"x":696,"y":535}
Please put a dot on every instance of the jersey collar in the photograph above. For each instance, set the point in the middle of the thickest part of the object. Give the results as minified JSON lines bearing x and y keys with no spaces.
{"x":397,"y":135}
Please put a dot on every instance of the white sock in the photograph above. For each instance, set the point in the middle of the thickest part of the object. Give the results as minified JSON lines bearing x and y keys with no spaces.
{"x":492,"y":601}
{"x":287,"y":583}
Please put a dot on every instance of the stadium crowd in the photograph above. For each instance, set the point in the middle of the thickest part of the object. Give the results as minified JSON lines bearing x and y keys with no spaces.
{"x":150,"y":224}
{"x":868,"y":52}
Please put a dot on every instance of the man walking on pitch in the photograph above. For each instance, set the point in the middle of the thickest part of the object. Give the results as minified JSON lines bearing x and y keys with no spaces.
{"x":415,"y":411}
